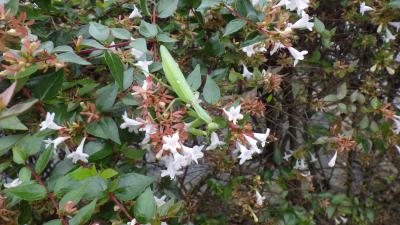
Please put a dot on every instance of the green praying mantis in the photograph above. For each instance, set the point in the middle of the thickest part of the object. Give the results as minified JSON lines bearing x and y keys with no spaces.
{"x":180,"y":86}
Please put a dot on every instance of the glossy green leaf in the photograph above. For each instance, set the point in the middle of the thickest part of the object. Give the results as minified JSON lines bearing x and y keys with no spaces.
{"x":116,"y":67}
{"x":166,"y":8}
{"x":234,"y":26}
{"x":145,"y":206}
{"x":99,"y":31}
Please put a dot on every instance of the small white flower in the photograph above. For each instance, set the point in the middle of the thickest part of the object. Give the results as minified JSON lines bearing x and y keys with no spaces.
{"x":137,"y":53}
{"x":49,"y":123}
{"x":131,"y":124}
{"x":234,"y":114}
{"x":133,"y":222}
{"x":262,"y":137}
{"x":396,"y":121}
{"x":78,"y":154}
{"x":332,"y":162}
{"x":250,"y":140}
{"x":55,"y":142}
{"x":313,"y":158}
{"x":135,"y":13}
{"x":245,"y":154}
{"x":246,"y":73}
{"x":395,"y":25}
{"x":173,"y":168}
{"x":215,"y":142}
{"x":255,"y":2}
{"x":193,"y":154}
{"x":259,"y":198}
{"x":113,"y":49}
{"x":148,"y":129}
{"x":144,"y":66}
{"x":300,"y":164}
{"x":160,"y":201}
{"x":292,"y":5}
{"x":249,"y":50}
{"x":398,"y":149}
{"x":171,"y":143}
{"x":364,"y":8}
{"x":14,"y":183}
{"x":389,"y":36}
{"x":277,"y":45}
{"x":303,"y":23}
{"x":297,"y":55}
{"x":287,"y":156}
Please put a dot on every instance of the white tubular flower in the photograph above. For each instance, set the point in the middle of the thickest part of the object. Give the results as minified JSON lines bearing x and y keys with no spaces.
{"x":173,"y":168}
{"x":255,"y":2}
{"x":137,"y":53}
{"x":78,"y":154}
{"x":144,"y":66}
{"x":49,"y":123}
{"x":131,"y":124}
{"x":396,"y":121}
{"x":398,"y":149}
{"x":297,"y":55}
{"x":395,"y":25}
{"x":246,"y":73}
{"x":234,"y":114}
{"x":245,"y":154}
{"x":287,"y":156}
{"x":364,"y":8}
{"x":13,"y":183}
{"x":193,"y":154}
{"x":332,"y":162}
{"x":259,"y":198}
{"x":249,"y":50}
{"x":303,"y":23}
{"x":160,"y":201}
{"x":277,"y":45}
{"x":215,"y":142}
{"x":135,"y":13}
{"x":262,"y":137}
{"x":389,"y":36}
{"x":299,"y":5}
{"x":300,"y":164}
{"x":55,"y":142}
{"x":313,"y":158}
{"x":171,"y":143}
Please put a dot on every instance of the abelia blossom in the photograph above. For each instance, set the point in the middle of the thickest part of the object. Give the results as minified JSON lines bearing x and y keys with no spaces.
{"x":389,"y":36}
{"x":395,"y":25}
{"x":332,"y":162}
{"x":160,"y":201}
{"x":245,"y":154}
{"x":262,"y":137}
{"x":234,"y":114}
{"x":131,"y":124}
{"x":398,"y":149}
{"x":364,"y":8}
{"x":55,"y":142}
{"x":259,"y":198}
{"x":193,"y":154}
{"x":246,"y":73}
{"x":171,"y":143}
{"x":277,"y":45}
{"x":292,"y":5}
{"x":137,"y":53}
{"x":396,"y":120}
{"x":303,"y":23}
{"x":215,"y":142}
{"x":49,"y":123}
{"x":13,"y":183}
{"x":173,"y":168}
{"x":297,"y":55}
{"x":135,"y":13}
{"x":144,"y":66}
{"x":78,"y":155}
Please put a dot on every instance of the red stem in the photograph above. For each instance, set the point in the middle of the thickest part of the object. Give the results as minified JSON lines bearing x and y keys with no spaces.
{"x":122,"y":207}
{"x":51,"y":195}
{"x":153,"y":21}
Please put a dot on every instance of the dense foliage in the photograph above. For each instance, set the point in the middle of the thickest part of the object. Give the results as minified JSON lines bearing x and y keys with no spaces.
{"x":199,"y":112}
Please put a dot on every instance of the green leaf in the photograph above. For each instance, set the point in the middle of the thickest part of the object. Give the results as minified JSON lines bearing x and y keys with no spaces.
{"x":207,"y":4}
{"x":28,"y":192}
{"x":7,"y":142}
{"x":148,"y":30}
{"x":144,"y":8}
{"x":12,"y":123}
{"x":53,"y":222}
{"x":81,"y":173}
{"x":25,"y":174}
{"x":92,"y":43}
{"x":116,"y":67}
{"x":62,"y":48}
{"x":395,"y":4}
{"x":84,"y":214}
{"x":341,"y":91}
{"x":99,"y":31}
{"x":194,"y":78}
{"x":108,"y":173}
{"x":166,"y":8}
{"x":211,"y":91}
{"x":375,"y":103}
{"x":30,"y":144}
{"x":132,"y":153}
{"x":13,"y":6}
{"x":163,"y":37}
{"x":70,"y":57}
{"x":121,"y":33}
{"x":19,"y":156}
{"x":49,"y":86}
{"x":106,"y":97}
{"x":106,"y":128}
{"x":18,"y":108}
{"x":145,"y":207}
{"x":319,"y":26}
{"x":128,"y":78}
{"x":131,"y":185}
{"x":25,"y":72}
{"x":44,"y":159}
{"x":233,"y":26}
{"x":75,"y":195}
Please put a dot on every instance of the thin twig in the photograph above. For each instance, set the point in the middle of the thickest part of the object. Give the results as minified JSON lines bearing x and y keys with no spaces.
{"x":50,"y":194}
{"x":122,"y":207}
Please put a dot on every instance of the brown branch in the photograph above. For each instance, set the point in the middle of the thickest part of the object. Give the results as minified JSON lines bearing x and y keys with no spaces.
{"x":50,"y":194}
{"x":153,"y":21}
{"x":122,"y":207}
